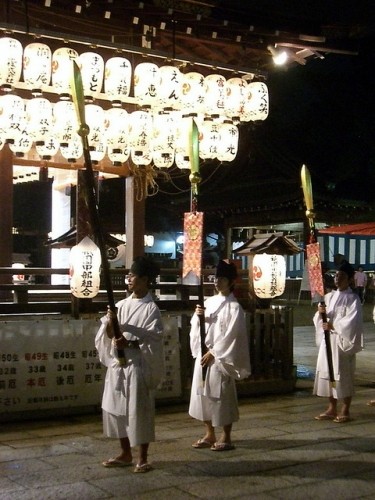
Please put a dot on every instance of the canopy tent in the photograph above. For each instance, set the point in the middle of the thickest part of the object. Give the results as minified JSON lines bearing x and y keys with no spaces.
{"x":355,"y":241}
{"x":364,"y":228}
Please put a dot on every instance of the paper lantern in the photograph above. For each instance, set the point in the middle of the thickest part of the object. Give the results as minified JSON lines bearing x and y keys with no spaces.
{"x":228,"y":144}
{"x":170,"y":86}
{"x":235,"y":93}
{"x":209,"y":138}
{"x":40,"y":119}
{"x":140,"y":131}
{"x":12,"y":117}
{"x":66,"y":123}
{"x":62,"y":70}
{"x":163,"y":139}
{"x":193,"y":93}
{"x":256,"y":104}
{"x":182,"y":142}
{"x":92,"y":72}
{"x":268,"y":275}
{"x":10,"y":62}
{"x":22,"y":142}
{"x":116,"y":122}
{"x":146,"y":83}
{"x":74,"y":149}
{"x":18,"y":278}
{"x":49,"y":148}
{"x":37,"y":66}
{"x":85,"y":262}
{"x":95,"y":120}
{"x":117,"y":79}
{"x":215,"y":94}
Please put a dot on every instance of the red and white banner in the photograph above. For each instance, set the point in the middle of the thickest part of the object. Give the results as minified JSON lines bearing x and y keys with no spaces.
{"x":193,"y":237}
{"x":315,"y":269}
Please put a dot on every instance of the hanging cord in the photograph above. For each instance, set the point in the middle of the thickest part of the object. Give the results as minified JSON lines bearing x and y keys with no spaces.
{"x":145,"y":180}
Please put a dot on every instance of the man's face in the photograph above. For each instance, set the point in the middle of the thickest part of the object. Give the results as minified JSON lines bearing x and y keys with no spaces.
{"x":136,"y":282}
{"x":341,"y":280}
{"x":222,"y":284}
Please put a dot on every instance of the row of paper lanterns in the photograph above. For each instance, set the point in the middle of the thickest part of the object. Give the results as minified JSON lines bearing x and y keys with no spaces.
{"x":162,"y":88}
{"x":143,"y":136}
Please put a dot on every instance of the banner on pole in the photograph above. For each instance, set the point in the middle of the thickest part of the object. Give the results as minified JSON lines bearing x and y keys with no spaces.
{"x":193,"y":238}
{"x":315,"y":269}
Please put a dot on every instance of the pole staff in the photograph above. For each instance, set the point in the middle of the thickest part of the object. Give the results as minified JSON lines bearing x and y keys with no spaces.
{"x":195,"y":179}
{"x":91,"y":198}
{"x":308,"y":195}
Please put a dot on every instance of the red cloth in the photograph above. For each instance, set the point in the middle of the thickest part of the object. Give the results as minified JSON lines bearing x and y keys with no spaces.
{"x":315,"y":269}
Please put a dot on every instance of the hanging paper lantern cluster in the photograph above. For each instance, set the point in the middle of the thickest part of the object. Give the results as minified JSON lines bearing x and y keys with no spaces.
{"x":85,"y":262}
{"x":155,"y":133}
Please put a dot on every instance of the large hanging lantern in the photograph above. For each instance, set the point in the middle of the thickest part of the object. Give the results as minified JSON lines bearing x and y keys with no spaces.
{"x":85,"y":262}
{"x":268,"y":275}
{"x":10,"y":62}
{"x":40,"y":118}
{"x":170,"y":87}
{"x":182,"y":141}
{"x":117,"y":79}
{"x":117,"y":135}
{"x":37,"y":66}
{"x":62,"y":70}
{"x":22,"y":142}
{"x":256,"y":103}
{"x":92,"y":72}
{"x":146,"y":83}
{"x":228,"y":144}
{"x":214,"y":100}
{"x":193,"y":93}
{"x":74,"y":149}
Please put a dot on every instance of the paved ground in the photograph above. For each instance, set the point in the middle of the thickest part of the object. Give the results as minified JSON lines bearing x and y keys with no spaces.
{"x":281,"y":451}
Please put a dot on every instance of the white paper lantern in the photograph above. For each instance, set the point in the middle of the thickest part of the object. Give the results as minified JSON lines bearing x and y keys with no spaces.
{"x":62,"y":70}
{"x":269,"y":273}
{"x":140,"y":131}
{"x":117,"y":79}
{"x":10,"y":62}
{"x":92,"y":72}
{"x":170,"y":87}
{"x":163,"y":139}
{"x":235,"y":94}
{"x":49,"y":148}
{"x":117,"y":135}
{"x":40,"y":119}
{"x":256,"y":104}
{"x":228,"y":144}
{"x":22,"y":142}
{"x":66,"y":123}
{"x":209,"y":138}
{"x":118,"y":156}
{"x":182,"y":141}
{"x":85,"y":262}
{"x":74,"y":150}
{"x":146,"y":83}
{"x":95,"y":120}
{"x":214,"y":99}
{"x":193,"y":93}
{"x":12,"y":117}
{"x":182,"y":161}
{"x":37,"y":66}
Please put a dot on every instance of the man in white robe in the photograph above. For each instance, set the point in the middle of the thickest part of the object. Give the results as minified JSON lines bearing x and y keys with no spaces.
{"x":214,"y":400}
{"x":128,"y":397}
{"x":344,"y":322}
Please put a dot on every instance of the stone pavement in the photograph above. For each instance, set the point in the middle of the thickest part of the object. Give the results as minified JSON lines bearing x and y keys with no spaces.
{"x":281,"y":451}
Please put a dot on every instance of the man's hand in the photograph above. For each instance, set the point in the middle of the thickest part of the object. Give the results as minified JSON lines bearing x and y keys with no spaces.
{"x":207,"y":359}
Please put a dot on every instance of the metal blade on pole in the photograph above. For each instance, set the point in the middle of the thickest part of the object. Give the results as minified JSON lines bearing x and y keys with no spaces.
{"x":91,"y":197}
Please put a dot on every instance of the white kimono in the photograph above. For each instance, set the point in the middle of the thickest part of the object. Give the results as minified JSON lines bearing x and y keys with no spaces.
{"x":344,"y":310}
{"x":227,"y":340}
{"x":128,"y":397}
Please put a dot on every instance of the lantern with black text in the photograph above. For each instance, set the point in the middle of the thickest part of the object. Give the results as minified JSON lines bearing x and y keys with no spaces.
{"x":85,"y":261}
{"x":61,"y":70}
{"x":269,"y":271}
{"x":10,"y":62}
{"x":37,"y":67}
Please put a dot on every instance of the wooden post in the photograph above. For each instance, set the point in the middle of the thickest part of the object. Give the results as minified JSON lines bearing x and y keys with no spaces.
{"x":6,"y":215}
{"x":134,"y":223}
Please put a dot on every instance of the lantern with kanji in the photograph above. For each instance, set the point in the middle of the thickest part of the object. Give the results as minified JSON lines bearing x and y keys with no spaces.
{"x":85,"y":261}
{"x":267,"y":266}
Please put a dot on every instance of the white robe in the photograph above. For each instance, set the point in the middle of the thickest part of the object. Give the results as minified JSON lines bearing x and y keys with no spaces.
{"x":344,"y":310}
{"x":227,"y":340}
{"x":128,"y":397}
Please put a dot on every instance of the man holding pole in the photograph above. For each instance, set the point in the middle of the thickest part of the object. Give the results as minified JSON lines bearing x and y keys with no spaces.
{"x":213,"y":394}
{"x":341,"y":318}
{"x":128,"y":397}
